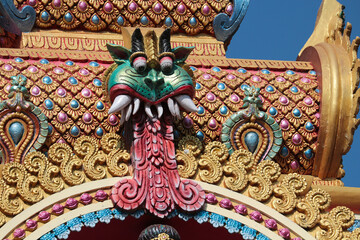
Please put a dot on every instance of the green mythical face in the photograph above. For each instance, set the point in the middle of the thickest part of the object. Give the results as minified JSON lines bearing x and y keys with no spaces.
{"x":150,"y":85}
{"x":146,"y":74}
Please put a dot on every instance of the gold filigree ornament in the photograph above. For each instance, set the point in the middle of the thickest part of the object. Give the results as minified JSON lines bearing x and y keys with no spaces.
{"x":240,"y":162}
{"x":217,"y":149}
{"x":355,"y":235}
{"x":93,"y":160}
{"x":210,"y":162}
{"x":192,"y":144}
{"x":261,"y":187}
{"x":15,"y":174}
{"x":47,"y":173}
{"x":309,"y":208}
{"x":334,"y":223}
{"x":9,"y":203}
{"x":285,"y":194}
{"x":187,"y":163}
{"x":70,"y":165}
{"x":22,"y":185}
{"x":211,"y":169}
{"x":118,"y":158}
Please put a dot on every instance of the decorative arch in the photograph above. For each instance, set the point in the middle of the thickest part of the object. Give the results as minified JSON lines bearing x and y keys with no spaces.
{"x":255,"y":196}
{"x":217,"y":214}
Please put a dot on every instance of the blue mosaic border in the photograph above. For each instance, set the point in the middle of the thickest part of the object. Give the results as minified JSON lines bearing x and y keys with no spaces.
{"x":106,"y":215}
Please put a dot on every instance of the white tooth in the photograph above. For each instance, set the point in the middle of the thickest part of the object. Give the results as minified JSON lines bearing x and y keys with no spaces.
{"x":177,"y":111}
{"x":119,"y":103}
{"x":148,"y":110}
{"x":136,"y":105}
{"x":129,"y":111}
{"x":171,"y":106}
{"x":160,"y":110}
{"x":122,"y":120}
{"x":187,"y":103}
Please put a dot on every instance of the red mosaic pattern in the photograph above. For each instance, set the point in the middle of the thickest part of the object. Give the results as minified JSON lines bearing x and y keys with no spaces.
{"x":71,"y":96}
{"x":291,"y":98}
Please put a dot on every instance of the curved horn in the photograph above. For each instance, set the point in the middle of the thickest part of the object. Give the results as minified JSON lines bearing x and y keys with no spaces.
{"x":164,"y":43}
{"x":137,"y":41}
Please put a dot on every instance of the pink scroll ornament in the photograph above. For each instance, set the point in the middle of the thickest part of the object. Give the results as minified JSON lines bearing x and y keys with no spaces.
{"x":156,"y":183}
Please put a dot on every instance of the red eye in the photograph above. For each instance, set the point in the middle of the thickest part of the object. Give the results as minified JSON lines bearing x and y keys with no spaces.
{"x":139,"y":64}
{"x":166,"y":64}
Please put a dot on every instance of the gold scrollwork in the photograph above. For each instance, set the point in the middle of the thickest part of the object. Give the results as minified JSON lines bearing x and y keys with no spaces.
{"x":210,"y":162}
{"x":48,"y":174}
{"x":285,"y":193}
{"x":332,"y":224}
{"x":309,"y":208}
{"x":9,"y":204}
{"x":266,"y":172}
{"x":191,"y":143}
{"x":58,"y":152}
{"x":25,"y":184}
{"x":239,"y":163}
{"x":93,"y":159}
{"x":111,"y":141}
{"x":15,"y":174}
{"x":218,"y":150}
{"x":118,"y":157}
{"x":162,"y":236}
{"x":117,"y":162}
{"x":70,"y":166}
{"x":211,"y":169}
{"x":242,"y":157}
{"x":187,"y":164}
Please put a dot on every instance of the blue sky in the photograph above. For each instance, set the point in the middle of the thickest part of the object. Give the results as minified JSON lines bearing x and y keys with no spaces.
{"x":277,"y":30}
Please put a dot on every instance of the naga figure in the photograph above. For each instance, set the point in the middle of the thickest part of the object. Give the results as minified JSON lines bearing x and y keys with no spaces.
{"x":149,"y":86}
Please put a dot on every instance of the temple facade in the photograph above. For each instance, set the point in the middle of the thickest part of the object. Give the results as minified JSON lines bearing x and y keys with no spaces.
{"x":124,"y":119}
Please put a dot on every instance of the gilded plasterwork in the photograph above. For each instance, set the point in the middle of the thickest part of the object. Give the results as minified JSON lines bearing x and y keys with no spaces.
{"x":290,"y":196}
{"x":39,"y":176}
{"x":23,"y":185}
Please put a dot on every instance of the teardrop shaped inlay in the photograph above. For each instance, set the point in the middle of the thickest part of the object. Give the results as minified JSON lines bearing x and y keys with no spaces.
{"x":16,"y":130}
{"x":251,"y":141}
